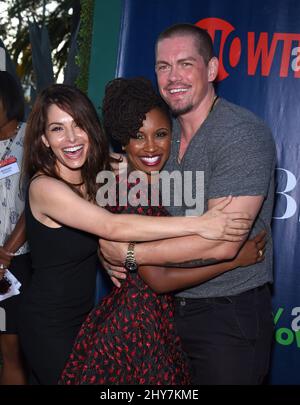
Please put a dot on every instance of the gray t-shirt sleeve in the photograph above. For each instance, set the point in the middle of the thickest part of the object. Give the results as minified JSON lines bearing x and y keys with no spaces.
{"x":244,"y":162}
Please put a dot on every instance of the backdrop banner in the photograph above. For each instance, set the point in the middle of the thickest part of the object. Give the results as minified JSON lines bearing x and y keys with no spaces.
{"x":258,"y":45}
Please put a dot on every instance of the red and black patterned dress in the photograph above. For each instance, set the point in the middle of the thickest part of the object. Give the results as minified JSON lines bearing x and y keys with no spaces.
{"x":130,"y":337}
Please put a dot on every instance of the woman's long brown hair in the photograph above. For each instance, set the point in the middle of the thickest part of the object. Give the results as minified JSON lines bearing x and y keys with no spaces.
{"x":40,"y":159}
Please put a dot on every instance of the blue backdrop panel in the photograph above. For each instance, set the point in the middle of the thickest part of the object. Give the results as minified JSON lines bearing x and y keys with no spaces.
{"x":258,"y":44}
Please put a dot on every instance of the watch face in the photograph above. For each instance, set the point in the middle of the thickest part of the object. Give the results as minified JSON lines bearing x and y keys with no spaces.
{"x":131,"y":267}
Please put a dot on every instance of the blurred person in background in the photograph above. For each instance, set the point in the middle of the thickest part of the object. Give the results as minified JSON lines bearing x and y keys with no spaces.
{"x":13,"y":248}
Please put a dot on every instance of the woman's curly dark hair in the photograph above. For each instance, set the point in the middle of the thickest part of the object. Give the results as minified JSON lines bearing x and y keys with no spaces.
{"x":125,"y":105}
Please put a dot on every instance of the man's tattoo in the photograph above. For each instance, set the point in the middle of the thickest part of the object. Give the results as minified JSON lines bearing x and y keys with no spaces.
{"x":194,"y":263}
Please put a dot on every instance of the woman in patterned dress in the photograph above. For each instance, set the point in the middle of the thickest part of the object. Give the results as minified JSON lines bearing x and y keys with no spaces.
{"x":13,"y":249}
{"x":130,"y":337}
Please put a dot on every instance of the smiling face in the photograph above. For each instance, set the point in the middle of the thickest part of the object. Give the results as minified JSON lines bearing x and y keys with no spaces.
{"x":69,"y":143}
{"x":182,"y":75}
{"x":149,"y":149}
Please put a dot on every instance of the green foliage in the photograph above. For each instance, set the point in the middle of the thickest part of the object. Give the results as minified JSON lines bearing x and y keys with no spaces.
{"x":85,"y":43}
{"x":54,"y":14}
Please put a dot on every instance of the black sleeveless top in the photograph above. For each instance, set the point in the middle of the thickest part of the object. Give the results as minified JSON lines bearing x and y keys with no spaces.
{"x":64,"y":264}
{"x":61,"y":294}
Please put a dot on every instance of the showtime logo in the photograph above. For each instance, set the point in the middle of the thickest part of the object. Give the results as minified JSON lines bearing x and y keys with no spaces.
{"x":260,"y":48}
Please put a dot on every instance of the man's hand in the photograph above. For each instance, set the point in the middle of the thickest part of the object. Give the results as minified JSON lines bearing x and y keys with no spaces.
{"x":113,"y":252}
{"x":115,"y":272}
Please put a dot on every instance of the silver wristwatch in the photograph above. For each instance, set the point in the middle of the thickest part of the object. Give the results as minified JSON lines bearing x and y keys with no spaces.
{"x":130,"y":262}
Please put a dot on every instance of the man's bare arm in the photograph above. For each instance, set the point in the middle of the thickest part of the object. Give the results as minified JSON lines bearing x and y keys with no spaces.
{"x":167,"y":279}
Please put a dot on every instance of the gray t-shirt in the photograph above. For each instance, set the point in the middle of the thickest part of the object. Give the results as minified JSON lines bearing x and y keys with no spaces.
{"x":237,"y":154}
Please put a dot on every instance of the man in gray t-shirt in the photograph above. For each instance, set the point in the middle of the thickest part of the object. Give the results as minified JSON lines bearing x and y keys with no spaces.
{"x":226,"y":323}
{"x":236,"y":153}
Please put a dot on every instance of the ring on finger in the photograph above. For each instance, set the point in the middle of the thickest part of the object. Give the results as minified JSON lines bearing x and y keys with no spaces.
{"x":1,"y":266}
{"x":260,"y":253}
